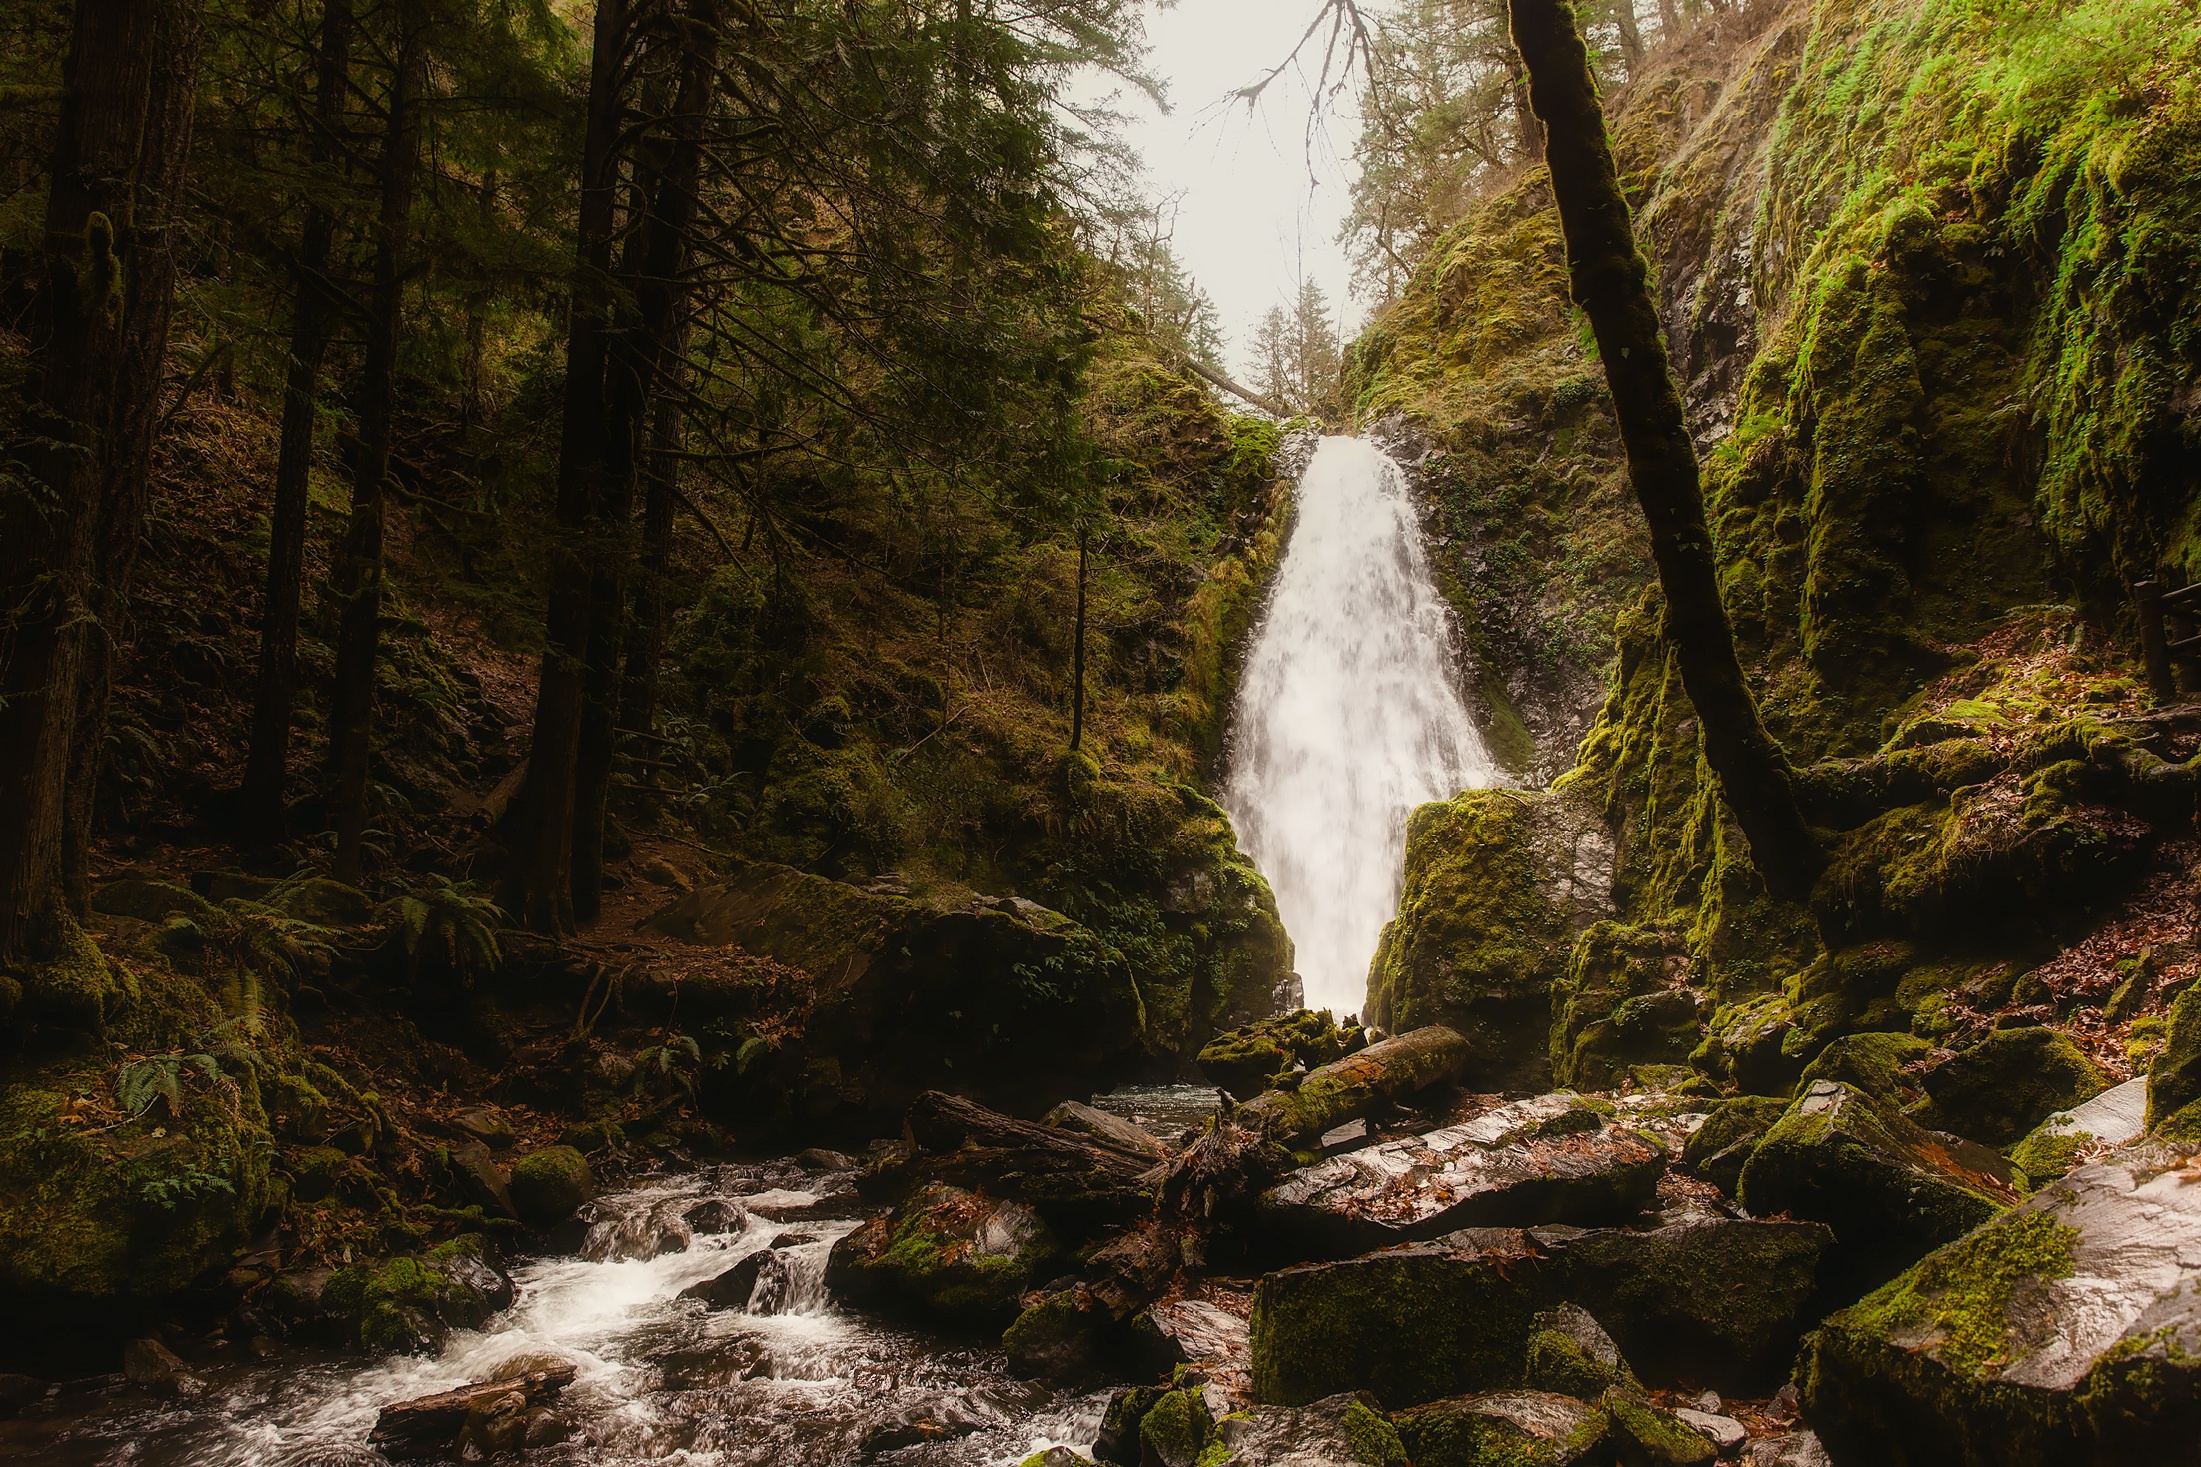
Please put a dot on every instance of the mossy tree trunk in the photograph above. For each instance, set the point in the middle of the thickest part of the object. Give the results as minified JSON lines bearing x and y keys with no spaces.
{"x":358,"y":577}
{"x":267,"y":761}
{"x":1611,"y":282}
{"x":98,"y":340}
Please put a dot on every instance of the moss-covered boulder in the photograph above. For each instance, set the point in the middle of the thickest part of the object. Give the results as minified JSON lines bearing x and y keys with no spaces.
{"x":1062,"y":1338}
{"x":2116,"y":1117}
{"x":2065,"y":1331}
{"x":1570,"y":1354}
{"x":1118,"y":1440}
{"x":1883,"y":1066}
{"x":946,"y":1256}
{"x":549,"y":1186}
{"x":1248,"y":1060}
{"x":1718,"y":1150}
{"x":1891,"y":1190}
{"x":1745,"y":1045}
{"x":1340,"y":1431}
{"x":2174,"y":1078}
{"x":1622,"y":1003}
{"x":1498,"y":884}
{"x":1504,"y":1429}
{"x":1176,"y":1429}
{"x":1641,"y":1435}
{"x":69,"y":985}
{"x":2001,"y":1088}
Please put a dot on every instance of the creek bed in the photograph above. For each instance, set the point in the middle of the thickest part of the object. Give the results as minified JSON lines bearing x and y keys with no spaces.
{"x":791,"y":1381}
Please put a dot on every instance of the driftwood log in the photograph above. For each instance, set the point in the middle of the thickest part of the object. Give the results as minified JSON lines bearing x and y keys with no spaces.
{"x":430,"y":1427}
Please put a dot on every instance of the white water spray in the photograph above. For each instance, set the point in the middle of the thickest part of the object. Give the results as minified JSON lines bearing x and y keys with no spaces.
{"x":1347,"y":717}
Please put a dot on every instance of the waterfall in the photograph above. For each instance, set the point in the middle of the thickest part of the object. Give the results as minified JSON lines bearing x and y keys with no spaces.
{"x":1347,"y":717}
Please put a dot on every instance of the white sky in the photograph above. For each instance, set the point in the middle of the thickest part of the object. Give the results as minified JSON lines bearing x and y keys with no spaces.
{"x":1260,"y":199}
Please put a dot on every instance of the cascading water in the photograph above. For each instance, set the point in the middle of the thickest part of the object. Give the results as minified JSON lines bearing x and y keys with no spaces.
{"x":1347,"y":717}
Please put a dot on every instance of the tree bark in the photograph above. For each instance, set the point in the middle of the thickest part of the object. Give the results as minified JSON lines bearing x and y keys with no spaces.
{"x":636,"y":360}
{"x":267,"y":761}
{"x":99,"y":338}
{"x":358,"y":578}
{"x":1631,"y":37}
{"x":1077,"y":656}
{"x":1611,"y":282}
{"x":537,"y":890}
{"x":646,"y":630}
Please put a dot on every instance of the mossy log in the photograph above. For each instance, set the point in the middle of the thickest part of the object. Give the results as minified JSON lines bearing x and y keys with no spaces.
{"x":1359,"y":1083}
{"x":1611,"y":282}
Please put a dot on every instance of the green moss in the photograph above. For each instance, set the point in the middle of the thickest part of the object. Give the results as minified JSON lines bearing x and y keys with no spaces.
{"x":1962,"y":1294}
{"x":1650,"y":1437}
{"x":1874,"y":1063}
{"x":1719,"y":1149}
{"x":2174,"y":1076}
{"x":1176,"y":1429}
{"x":1998,"y":1090}
{"x":1375,"y":1442}
{"x":549,"y":1186}
{"x":1249,"y":1060}
{"x":2041,"y":1159}
{"x":1616,"y":1009}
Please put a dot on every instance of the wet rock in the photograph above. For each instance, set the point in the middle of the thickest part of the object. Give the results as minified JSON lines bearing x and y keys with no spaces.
{"x":820,"y":1159}
{"x":1889,"y":1189}
{"x":1515,"y":1428}
{"x":490,"y":1127}
{"x":1552,"y":1159}
{"x":1071,"y":1115}
{"x":1176,"y":1430}
{"x":485,"y":1183}
{"x":715,"y":1216}
{"x":1118,"y":1441}
{"x":731,"y":1289}
{"x":477,"y":1288}
{"x":545,"y":1428}
{"x":1570,"y":1354}
{"x":616,"y":1233}
{"x":1707,"y":1299}
{"x":1085,"y":1185}
{"x":2116,"y":1117}
{"x":433,"y":1426}
{"x":151,"y":1364}
{"x":18,"y":1392}
{"x":1061,"y":1338}
{"x":1349,"y":1137}
{"x":1341,"y":1431}
{"x":1718,"y":1150}
{"x":1725,"y":1433}
{"x":947,"y":1256}
{"x":792,"y":1239}
{"x":1056,"y":1457}
{"x":1644,"y":1436}
{"x":1360,"y":1083}
{"x":2008,"y":1083}
{"x":2067,"y":1330}
{"x":1248,"y":1060}
{"x":939,"y":1420}
{"x":1799,"y":1449}
{"x":1209,"y":1337}
{"x":293,"y":1299}
{"x":549,"y":1186}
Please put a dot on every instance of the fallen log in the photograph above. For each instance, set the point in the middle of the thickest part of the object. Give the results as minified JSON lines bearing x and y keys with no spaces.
{"x":429,"y":1427}
{"x":1082,"y":1183}
{"x":1359,"y":1084}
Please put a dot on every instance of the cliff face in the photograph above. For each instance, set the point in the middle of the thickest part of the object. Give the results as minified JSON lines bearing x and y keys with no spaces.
{"x":1928,"y":272}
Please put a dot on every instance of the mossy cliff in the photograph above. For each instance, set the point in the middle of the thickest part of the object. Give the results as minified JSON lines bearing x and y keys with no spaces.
{"x":1928,"y":270}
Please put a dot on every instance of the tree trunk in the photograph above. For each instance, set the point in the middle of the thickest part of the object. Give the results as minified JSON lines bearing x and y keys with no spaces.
{"x":636,"y":360}
{"x":646,"y":629}
{"x":99,"y":337}
{"x":1631,"y":38}
{"x":358,"y":578}
{"x":536,"y":887}
{"x":1077,"y":656}
{"x":1528,"y":133}
{"x":1612,"y":284}
{"x":1669,"y":21}
{"x":267,"y":762}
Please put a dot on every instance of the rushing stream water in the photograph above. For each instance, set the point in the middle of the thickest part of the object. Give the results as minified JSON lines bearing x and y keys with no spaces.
{"x":1348,"y":716}
{"x":790,"y":1381}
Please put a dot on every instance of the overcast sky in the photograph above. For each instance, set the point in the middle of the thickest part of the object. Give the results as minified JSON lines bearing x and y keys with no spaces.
{"x":1258,"y":200}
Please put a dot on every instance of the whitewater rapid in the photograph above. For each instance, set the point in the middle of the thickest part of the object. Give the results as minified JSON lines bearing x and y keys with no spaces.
{"x":1348,"y":715}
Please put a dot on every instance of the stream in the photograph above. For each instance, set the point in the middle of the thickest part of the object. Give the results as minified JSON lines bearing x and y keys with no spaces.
{"x":792,"y":1380}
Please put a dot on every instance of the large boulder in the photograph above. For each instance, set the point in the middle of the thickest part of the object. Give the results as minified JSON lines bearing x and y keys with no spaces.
{"x":1720,"y":1148}
{"x":1891,"y":1190}
{"x":2067,"y":1331}
{"x":1513,"y":1428}
{"x":911,"y":996}
{"x":1498,"y":884}
{"x":946,"y":1256}
{"x":1342,"y":1431}
{"x":550,"y":1185}
{"x":1556,"y":1158}
{"x":1622,"y":1003}
{"x":1250,"y":1059}
{"x":1706,"y":1301}
{"x":1359,"y":1084}
{"x":2116,"y":1117}
{"x":2174,"y":1079}
{"x":2001,"y":1088}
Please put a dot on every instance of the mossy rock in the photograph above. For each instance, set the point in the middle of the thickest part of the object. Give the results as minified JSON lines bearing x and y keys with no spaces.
{"x":1570,"y":1354}
{"x":2174,"y":1079}
{"x":2001,"y":1088}
{"x":549,"y":1186}
{"x":1745,"y":1045}
{"x":71,"y":985}
{"x":1118,"y":1441}
{"x":1339,"y":1431}
{"x":1877,"y":1064}
{"x":1497,"y":886}
{"x":1061,"y":1338}
{"x":1504,"y":1429}
{"x":946,"y":1256}
{"x":1718,"y":1150}
{"x":2067,"y":1330}
{"x":1618,"y":1007}
{"x":1644,"y":1436}
{"x":1249,"y":1060}
{"x":322,"y":902}
{"x":150,"y":901}
{"x":1176,"y":1429}
{"x":1855,"y":990}
{"x":1890,"y":1190}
